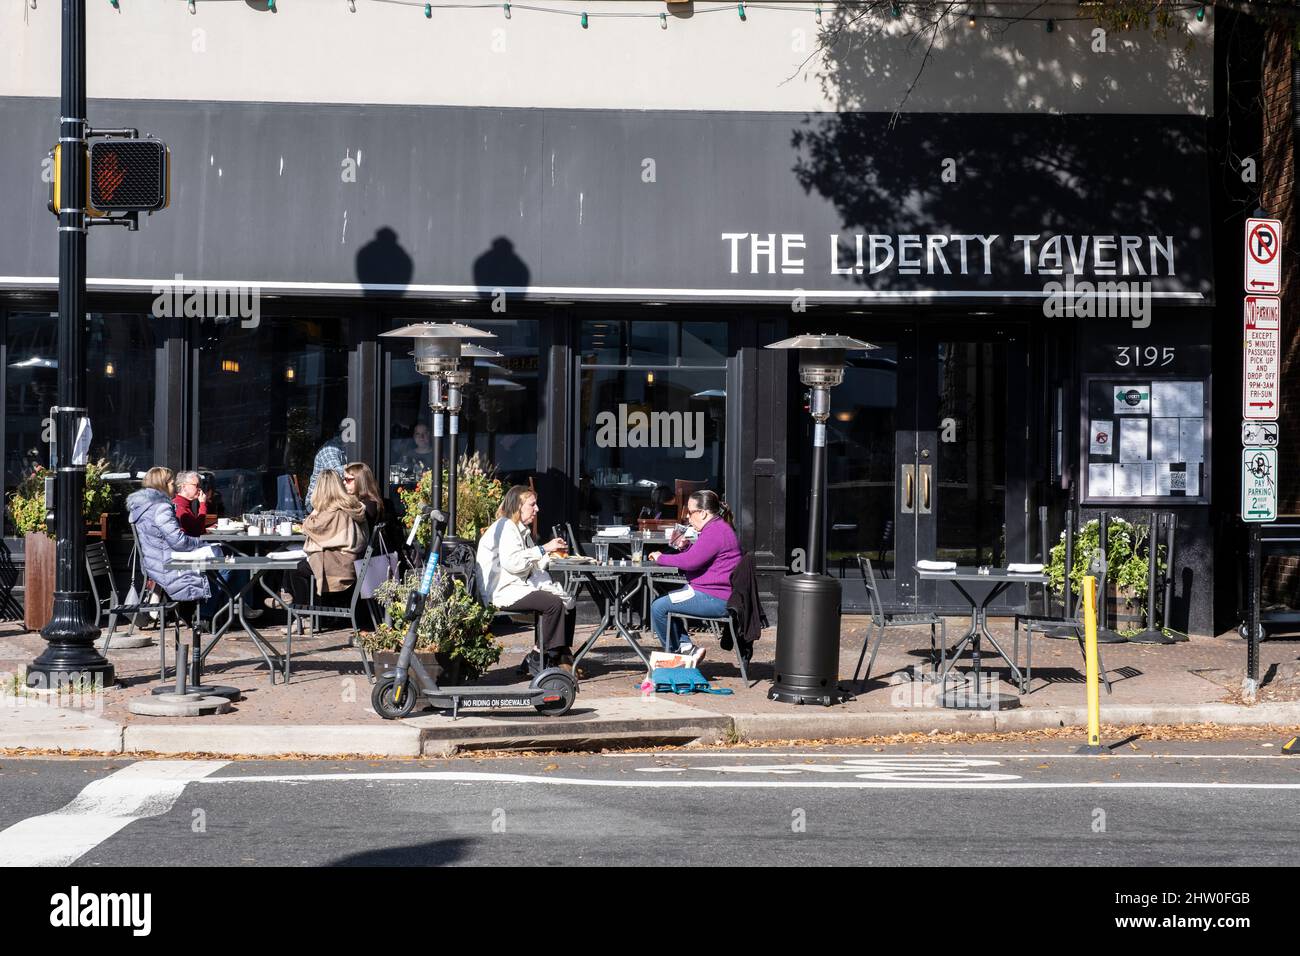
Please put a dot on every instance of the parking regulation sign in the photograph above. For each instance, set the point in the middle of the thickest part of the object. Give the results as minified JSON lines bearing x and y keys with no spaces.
{"x":1260,"y":355}
{"x":1263,"y":256}
{"x":1258,"y":484}
{"x":1259,"y":433}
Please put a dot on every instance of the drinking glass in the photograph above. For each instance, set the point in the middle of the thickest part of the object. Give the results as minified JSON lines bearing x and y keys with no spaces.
{"x":638,"y":546}
{"x":602,"y":552}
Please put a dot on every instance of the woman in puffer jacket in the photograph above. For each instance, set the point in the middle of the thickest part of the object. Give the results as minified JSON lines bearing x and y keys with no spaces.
{"x":154,"y":516}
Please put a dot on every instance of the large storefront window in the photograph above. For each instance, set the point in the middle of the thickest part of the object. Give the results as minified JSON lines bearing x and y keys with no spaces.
{"x":499,"y":412}
{"x":652,"y":418}
{"x":269,"y":397}
{"x":120,"y":383}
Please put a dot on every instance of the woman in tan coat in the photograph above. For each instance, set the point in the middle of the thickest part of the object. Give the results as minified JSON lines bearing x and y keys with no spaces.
{"x":336,"y":537}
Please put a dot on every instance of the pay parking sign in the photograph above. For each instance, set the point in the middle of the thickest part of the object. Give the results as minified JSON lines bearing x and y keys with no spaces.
{"x":1258,"y":484}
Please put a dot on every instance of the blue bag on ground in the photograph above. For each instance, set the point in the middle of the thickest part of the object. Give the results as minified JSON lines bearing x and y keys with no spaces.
{"x":683,"y":680}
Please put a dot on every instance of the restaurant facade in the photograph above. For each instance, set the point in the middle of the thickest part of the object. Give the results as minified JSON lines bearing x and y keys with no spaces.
{"x":1038,"y":276}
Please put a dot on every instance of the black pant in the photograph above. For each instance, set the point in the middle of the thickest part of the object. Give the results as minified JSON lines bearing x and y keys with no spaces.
{"x":556,"y":622}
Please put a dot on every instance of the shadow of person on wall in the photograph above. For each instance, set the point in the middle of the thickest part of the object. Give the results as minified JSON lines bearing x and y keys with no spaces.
{"x":383,"y":267}
{"x":500,"y":268}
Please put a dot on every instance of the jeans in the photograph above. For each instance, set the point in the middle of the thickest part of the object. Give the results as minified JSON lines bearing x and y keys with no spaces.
{"x":705,"y":605}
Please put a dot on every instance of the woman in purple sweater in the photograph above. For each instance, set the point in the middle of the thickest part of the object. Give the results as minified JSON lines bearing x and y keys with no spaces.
{"x":707,"y":564}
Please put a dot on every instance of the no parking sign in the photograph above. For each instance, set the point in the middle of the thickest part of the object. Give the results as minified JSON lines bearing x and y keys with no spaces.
{"x":1263,"y":255}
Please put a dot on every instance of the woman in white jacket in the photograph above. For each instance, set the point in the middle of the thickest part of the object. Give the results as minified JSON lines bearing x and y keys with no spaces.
{"x":512,"y":574}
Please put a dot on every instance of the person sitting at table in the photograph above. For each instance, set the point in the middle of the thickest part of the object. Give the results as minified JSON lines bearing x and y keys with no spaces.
{"x":191,"y":503}
{"x":707,"y":565}
{"x":153,"y":514}
{"x":511,"y":572}
{"x":336,"y":536}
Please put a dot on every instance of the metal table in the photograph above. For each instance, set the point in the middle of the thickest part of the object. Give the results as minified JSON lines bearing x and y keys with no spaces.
{"x":257,"y":566}
{"x":999,"y":579}
{"x":614,"y":586}
{"x":241,"y":540}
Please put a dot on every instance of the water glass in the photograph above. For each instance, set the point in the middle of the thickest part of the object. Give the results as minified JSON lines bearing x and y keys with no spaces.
{"x":638,"y":546}
{"x":602,"y":552}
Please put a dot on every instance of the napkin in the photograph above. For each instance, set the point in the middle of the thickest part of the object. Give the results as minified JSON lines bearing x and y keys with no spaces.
{"x":292,"y":554}
{"x":614,"y":532}
{"x":198,"y":554}
{"x":1025,"y":568}
{"x":937,"y":565}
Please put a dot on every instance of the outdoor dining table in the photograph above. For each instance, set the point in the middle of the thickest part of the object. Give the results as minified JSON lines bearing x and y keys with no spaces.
{"x":257,"y":567}
{"x":241,"y":540}
{"x":999,"y":580}
{"x":615,"y":585}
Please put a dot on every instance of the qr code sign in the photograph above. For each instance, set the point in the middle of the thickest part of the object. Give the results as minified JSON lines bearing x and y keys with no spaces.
{"x":1178,"y":481}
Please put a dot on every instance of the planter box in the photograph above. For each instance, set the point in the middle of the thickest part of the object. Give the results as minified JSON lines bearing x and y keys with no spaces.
{"x":38,"y":580}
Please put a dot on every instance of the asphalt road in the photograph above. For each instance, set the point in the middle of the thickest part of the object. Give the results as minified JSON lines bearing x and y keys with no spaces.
{"x":1187,"y":804}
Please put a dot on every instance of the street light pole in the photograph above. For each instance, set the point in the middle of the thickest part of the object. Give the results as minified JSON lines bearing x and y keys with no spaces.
{"x":71,"y":632}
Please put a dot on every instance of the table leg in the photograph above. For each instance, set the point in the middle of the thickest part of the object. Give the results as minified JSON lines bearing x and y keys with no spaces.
{"x":984,"y":627}
{"x":608,"y":601}
{"x":972,"y":634}
{"x":273,"y":659}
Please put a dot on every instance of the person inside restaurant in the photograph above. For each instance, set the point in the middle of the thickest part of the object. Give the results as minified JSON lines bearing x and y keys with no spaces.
{"x":511,"y":573}
{"x":336,"y":537}
{"x":707,"y":565}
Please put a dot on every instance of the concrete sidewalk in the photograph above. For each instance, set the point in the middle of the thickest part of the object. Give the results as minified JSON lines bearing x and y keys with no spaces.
{"x":326,"y":710}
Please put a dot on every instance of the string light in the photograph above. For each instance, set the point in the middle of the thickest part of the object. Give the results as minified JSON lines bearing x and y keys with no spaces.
{"x":893,"y":9}
{"x":584,"y":19}
{"x":1051,"y":24}
{"x":270,"y":5}
{"x":352,"y":6}
{"x":194,"y":7}
{"x":971,"y":22}
{"x":663,"y":21}
{"x":1200,"y":13}
{"x":740,"y":9}
{"x":818,"y":14}
{"x":428,"y":11}
{"x":113,"y":4}
{"x":505,"y":7}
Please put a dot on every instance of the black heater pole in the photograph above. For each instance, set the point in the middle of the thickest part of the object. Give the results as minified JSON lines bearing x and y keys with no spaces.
{"x":1170,"y":525}
{"x":71,"y":632}
{"x":436,"y":404}
{"x":456,"y":382}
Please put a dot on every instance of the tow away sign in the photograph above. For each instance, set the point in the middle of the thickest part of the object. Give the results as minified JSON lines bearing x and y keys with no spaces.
{"x":1261,"y":346}
{"x":1258,"y":484}
{"x":1259,"y":433}
{"x":1263,"y":256}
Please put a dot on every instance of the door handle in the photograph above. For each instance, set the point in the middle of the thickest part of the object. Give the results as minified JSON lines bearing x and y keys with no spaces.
{"x":925,"y":490}
{"x":909,"y":476}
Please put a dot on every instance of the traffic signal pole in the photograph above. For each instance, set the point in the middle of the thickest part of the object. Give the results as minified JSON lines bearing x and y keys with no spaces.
{"x":71,"y":633}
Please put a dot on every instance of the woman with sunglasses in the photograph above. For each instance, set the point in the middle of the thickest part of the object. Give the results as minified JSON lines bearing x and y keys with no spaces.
{"x":707,"y":565}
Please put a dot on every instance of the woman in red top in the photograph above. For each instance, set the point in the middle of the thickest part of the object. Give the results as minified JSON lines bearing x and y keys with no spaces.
{"x":189,"y":490}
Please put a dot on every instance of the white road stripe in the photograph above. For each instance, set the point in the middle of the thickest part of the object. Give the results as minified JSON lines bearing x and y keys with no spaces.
{"x":820,"y":755}
{"x":473,"y":777}
{"x":143,"y":789}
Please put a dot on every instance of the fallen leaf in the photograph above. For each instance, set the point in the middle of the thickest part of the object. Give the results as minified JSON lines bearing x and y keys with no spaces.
{"x":551,"y":766}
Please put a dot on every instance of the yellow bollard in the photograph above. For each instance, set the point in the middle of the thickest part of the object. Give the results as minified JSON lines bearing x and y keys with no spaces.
{"x":1090,"y":657}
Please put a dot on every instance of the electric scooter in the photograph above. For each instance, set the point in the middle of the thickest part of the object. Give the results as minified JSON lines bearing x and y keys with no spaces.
{"x":397,"y":691}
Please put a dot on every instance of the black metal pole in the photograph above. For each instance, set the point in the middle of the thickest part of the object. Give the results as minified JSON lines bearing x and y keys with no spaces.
{"x":71,"y":632}
{"x":816,"y":555}
{"x":435,"y":402}
{"x":1171,"y":524}
{"x":1152,"y":634}
{"x":453,"y":429}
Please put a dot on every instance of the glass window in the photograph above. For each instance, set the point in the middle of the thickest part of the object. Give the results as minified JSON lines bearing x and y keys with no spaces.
{"x":120,"y":384}
{"x":651,"y":435}
{"x":269,"y":398}
{"x":499,"y":409}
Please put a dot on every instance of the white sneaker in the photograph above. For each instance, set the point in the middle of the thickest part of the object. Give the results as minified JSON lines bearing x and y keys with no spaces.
{"x":693,"y":653}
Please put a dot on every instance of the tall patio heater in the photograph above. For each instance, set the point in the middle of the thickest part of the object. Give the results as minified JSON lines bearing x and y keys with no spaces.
{"x":808,"y":615}
{"x":438,"y":350}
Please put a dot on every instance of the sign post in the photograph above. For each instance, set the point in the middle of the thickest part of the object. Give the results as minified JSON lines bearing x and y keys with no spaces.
{"x":1260,"y":359}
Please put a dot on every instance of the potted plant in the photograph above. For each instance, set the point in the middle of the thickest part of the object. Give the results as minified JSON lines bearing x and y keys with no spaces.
{"x":1126,"y":574}
{"x":454,"y":632}
{"x":478,"y":495}
{"x":27,"y":511}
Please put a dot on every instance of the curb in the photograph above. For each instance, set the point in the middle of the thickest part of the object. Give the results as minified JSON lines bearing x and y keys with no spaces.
{"x":443,"y":738}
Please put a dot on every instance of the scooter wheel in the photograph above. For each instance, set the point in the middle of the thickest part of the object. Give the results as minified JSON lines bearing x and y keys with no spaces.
{"x":381,"y":698}
{"x":560,"y":686}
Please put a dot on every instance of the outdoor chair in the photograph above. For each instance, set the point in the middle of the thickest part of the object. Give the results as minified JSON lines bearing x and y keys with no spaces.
{"x":881,"y":621}
{"x":103,"y":588}
{"x":314,"y":612}
{"x":151,"y":599}
{"x":726,"y":628}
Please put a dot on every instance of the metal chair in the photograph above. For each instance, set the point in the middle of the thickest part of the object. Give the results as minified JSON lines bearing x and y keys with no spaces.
{"x":882,"y":621}
{"x":312,"y":611}
{"x":727,"y":623}
{"x":97,"y":570}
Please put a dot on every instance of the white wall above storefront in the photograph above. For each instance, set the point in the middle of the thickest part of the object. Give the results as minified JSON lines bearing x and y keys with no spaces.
{"x":706,"y":59}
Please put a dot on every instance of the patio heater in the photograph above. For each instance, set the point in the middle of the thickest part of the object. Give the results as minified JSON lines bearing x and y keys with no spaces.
{"x":438,"y":350}
{"x":808,"y":615}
